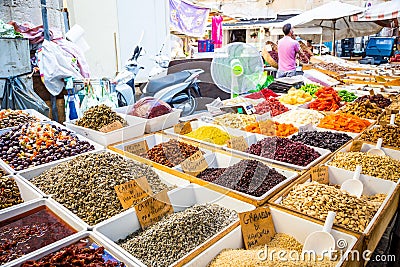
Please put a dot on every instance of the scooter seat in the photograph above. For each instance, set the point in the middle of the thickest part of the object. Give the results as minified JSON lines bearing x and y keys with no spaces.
{"x":156,"y":85}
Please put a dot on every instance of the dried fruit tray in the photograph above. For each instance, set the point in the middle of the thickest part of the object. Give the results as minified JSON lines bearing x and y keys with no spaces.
{"x":198,"y":124}
{"x":255,"y":138}
{"x":393,"y":153}
{"x":151,"y":140}
{"x":126,"y":223}
{"x":158,"y":123}
{"x":222,"y":160}
{"x":134,"y":129}
{"x":28,"y":194}
{"x":51,"y":205}
{"x":32,"y":112}
{"x":168,"y":179}
{"x":376,"y":227}
{"x":284,"y":222}
{"x":97,"y":147}
{"x":111,"y":252}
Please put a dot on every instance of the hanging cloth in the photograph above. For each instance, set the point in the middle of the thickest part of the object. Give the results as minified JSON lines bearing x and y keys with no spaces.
{"x":216,"y":31}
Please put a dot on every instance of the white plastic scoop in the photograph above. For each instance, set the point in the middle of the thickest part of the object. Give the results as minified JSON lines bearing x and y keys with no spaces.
{"x":393,"y":120}
{"x":321,"y":242}
{"x":354,"y":186}
{"x":377,"y":149}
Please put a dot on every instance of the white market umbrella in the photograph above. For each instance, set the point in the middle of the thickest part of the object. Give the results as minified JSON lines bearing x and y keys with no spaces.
{"x":334,"y":18}
{"x":383,"y":11}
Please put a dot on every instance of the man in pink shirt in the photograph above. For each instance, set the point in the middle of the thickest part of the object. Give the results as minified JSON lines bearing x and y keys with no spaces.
{"x":287,"y":50}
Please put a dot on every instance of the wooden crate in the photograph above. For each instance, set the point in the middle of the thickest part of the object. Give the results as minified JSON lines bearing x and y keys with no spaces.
{"x":201,"y":182}
{"x":371,"y":238}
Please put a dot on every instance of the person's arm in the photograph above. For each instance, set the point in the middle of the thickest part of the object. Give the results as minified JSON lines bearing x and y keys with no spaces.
{"x":297,"y":47}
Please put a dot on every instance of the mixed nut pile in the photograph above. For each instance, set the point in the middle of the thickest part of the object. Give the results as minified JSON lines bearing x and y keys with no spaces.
{"x":382,"y":167}
{"x":363,"y":109}
{"x":99,"y":116}
{"x":232,"y":120}
{"x":176,"y":235}
{"x":85,"y":184}
{"x":316,"y":200}
{"x":390,"y":135}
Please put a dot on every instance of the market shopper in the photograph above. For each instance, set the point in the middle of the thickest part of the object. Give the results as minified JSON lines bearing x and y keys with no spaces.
{"x":288,"y":48}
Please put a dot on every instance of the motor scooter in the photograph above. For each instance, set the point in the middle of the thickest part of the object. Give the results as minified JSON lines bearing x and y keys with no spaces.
{"x":179,"y":89}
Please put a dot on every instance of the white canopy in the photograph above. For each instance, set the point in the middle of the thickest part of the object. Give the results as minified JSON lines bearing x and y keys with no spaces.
{"x":383,"y":11}
{"x":334,"y":15}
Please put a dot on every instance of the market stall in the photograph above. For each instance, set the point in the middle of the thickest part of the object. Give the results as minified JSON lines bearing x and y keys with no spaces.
{"x":141,"y":186}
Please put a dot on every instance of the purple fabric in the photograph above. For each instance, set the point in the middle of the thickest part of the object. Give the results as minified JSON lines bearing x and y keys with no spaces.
{"x":188,"y":19}
{"x":287,"y":49}
{"x":75,"y":52}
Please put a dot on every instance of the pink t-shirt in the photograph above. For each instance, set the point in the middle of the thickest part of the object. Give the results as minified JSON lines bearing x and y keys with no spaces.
{"x":287,"y":49}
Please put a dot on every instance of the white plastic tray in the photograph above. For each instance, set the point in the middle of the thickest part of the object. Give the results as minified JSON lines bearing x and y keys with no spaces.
{"x":254,"y":139}
{"x":371,"y":184}
{"x":158,"y":123}
{"x":219,"y":160}
{"x":152,"y":141}
{"x":124,"y":224}
{"x":40,"y":253}
{"x":134,"y":129}
{"x":55,"y":208}
{"x":28,"y":194}
{"x":284,"y":223}
{"x":198,"y":124}
{"x":97,"y":147}
{"x":168,"y":179}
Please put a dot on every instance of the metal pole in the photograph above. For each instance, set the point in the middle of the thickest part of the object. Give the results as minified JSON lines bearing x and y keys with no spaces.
{"x":334,"y":37}
{"x":54,"y":110}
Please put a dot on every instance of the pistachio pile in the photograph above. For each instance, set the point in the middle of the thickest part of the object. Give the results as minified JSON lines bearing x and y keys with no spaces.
{"x":232,"y":120}
{"x":390,"y":135}
{"x":99,"y":116}
{"x":11,"y":118}
{"x":287,"y":246}
{"x":85,"y":184}
{"x":365,"y":109}
{"x":315,"y":200}
{"x":9,"y":193}
{"x":372,"y":165}
{"x":176,"y":235}
{"x":385,"y":119}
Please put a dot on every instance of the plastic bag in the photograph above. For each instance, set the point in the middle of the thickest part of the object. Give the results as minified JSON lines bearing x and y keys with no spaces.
{"x":150,"y":107}
{"x":17,"y":96}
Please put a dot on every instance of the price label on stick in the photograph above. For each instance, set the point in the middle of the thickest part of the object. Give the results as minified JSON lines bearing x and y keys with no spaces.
{"x":266,"y":127}
{"x":153,"y":209}
{"x":306,"y":128}
{"x":320,"y":174}
{"x":195,"y":164}
{"x":183,"y":128}
{"x":356,"y":146}
{"x":257,"y":227}
{"x":264,"y":117}
{"x":137,"y":148}
{"x":238,"y":143}
{"x":133,"y":191}
{"x":111,"y":127}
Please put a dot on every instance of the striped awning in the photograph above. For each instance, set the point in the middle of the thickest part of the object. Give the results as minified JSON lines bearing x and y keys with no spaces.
{"x":383,"y":11}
